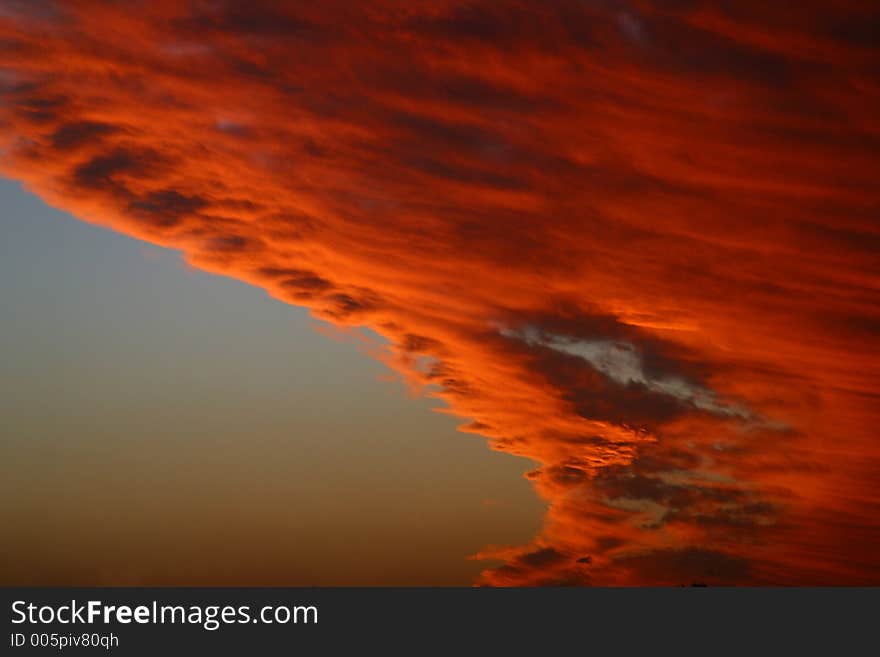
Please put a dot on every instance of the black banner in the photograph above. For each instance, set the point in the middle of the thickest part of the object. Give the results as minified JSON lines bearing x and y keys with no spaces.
{"x":151,"y":621}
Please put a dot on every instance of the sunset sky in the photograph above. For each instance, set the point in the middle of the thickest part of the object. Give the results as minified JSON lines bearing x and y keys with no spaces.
{"x":633,"y":244}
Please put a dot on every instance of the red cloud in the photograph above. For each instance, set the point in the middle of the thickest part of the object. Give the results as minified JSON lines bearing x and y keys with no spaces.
{"x":636,"y":243}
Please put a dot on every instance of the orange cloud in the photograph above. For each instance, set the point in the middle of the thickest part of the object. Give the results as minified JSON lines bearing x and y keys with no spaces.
{"x":634,"y":242}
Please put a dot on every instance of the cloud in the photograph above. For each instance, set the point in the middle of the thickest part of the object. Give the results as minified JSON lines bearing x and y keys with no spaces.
{"x":622,"y":363}
{"x":635,"y":243}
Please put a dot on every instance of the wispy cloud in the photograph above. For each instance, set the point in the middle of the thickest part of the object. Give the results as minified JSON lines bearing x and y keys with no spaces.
{"x":622,"y":363}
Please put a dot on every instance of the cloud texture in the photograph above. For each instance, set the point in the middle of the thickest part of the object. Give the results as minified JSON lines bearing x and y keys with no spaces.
{"x":634,"y":242}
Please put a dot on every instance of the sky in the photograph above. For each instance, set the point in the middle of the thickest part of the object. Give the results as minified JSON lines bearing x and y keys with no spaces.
{"x":633,"y":243}
{"x":166,"y":426}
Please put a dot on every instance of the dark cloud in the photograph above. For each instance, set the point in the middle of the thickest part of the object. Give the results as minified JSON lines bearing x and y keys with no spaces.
{"x":106,"y":173}
{"x":260,"y":18}
{"x":166,"y":207}
{"x":686,"y":566}
{"x":40,"y":109}
{"x":78,"y":133}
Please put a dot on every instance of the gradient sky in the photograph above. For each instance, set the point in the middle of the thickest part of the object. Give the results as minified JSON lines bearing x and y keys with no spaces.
{"x":162,"y":425}
{"x":633,"y":242}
